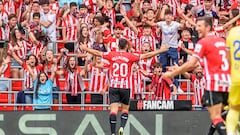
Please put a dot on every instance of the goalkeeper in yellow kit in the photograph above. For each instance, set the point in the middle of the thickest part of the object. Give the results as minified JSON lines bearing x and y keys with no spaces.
{"x":233,"y":45}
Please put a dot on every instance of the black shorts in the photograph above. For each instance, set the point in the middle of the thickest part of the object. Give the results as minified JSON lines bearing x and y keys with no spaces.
{"x":117,"y":95}
{"x":211,"y":98}
{"x":69,"y":46}
{"x":96,"y":99}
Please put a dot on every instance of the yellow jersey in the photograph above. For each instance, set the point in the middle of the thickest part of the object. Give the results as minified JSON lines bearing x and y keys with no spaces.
{"x":233,"y":45}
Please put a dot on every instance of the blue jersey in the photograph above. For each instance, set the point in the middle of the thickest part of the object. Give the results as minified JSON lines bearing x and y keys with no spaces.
{"x":44,"y":94}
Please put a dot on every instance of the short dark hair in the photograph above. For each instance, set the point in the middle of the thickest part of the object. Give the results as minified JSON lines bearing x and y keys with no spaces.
{"x":188,"y":7}
{"x":150,"y":9}
{"x":36,"y":15}
{"x":186,"y":29}
{"x":72,"y":4}
{"x":147,"y":26}
{"x":235,"y":12}
{"x":122,"y":43}
{"x":82,"y":6}
{"x":146,"y":1}
{"x":101,"y":19}
{"x":43,"y":2}
{"x":36,"y":2}
{"x":168,"y":12}
{"x":157,"y":65}
{"x":207,"y":20}
{"x":11,"y":16}
{"x":32,"y":55}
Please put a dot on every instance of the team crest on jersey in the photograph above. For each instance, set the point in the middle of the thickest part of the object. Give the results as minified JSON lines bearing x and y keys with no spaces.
{"x":198,"y":48}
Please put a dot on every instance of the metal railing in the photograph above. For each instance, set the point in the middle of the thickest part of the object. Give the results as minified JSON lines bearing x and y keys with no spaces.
{"x":83,"y":104}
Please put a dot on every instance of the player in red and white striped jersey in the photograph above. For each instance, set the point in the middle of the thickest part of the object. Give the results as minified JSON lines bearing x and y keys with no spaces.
{"x":213,"y":51}
{"x":99,"y":79}
{"x":119,"y":72}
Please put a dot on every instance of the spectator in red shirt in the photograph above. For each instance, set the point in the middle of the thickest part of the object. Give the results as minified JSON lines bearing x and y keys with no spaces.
{"x":163,"y":87}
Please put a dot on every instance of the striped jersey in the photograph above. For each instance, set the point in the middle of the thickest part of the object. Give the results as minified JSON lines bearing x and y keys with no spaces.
{"x":98,"y":80}
{"x":70,"y":23}
{"x":199,"y":88}
{"x":120,"y":67}
{"x":28,"y":79}
{"x":23,"y":48}
{"x":212,"y":50}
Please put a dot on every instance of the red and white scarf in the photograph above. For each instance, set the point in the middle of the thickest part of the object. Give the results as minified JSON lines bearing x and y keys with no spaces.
{"x":72,"y":81}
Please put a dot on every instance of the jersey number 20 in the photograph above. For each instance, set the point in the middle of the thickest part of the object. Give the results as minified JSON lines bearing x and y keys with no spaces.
{"x":120,"y":69}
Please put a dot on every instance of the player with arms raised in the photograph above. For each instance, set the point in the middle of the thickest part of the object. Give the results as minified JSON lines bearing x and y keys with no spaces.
{"x":120,"y":70}
{"x":233,"y":45}
{"x":212,"y":50}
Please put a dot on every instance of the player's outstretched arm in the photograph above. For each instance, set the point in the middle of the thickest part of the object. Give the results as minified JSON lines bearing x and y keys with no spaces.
{"x":182,"y":69}
{"x":91,"y":51}
{"x":163,"y":48}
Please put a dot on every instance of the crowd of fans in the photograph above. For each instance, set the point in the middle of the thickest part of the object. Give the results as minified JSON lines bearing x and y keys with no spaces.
{"x":36,"y":36}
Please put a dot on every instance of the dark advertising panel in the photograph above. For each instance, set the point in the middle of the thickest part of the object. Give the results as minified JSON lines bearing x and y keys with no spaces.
{"x":96,"y":123}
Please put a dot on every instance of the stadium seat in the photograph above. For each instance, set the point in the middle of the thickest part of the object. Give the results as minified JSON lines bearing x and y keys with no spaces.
{"x":64,"y":98}
{"x":86,"y":84}
{"x":93,"y":108}
{"x":60,"y":46}
{"x":28,"y":108}
{"x":6,"y":108}
{"x":55,"y":108}
{"x":25,"y":108}
{"x":4,"y":98}
{"x":69,"y":108}
{"x":17,"y":85}
{"x":87,"y":98}
{"x":61,"y":85}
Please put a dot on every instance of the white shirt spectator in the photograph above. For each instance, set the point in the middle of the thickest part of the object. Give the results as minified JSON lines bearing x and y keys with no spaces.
{"x":51,"y":30}
{"x":169,"y":33}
